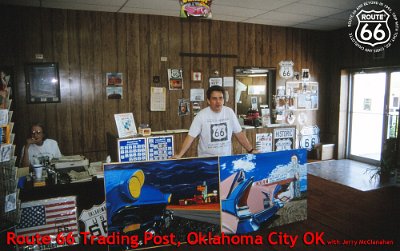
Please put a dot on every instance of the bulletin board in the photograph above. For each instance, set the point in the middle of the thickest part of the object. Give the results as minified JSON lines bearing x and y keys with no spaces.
{"x":302,"y":95}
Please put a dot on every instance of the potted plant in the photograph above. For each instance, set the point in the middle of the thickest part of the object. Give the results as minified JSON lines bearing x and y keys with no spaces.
{"x":388,"y":160}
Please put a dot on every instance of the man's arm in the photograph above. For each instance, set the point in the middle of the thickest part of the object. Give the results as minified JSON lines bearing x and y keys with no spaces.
{"x":185,"y":146}
{"x":25,"y":161}
{"x":25,"y":157}
{"x":241,"y":137}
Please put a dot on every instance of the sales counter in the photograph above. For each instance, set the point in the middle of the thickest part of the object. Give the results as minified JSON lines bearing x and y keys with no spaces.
{"x":90,"y":194}
{"x":278,"y":137}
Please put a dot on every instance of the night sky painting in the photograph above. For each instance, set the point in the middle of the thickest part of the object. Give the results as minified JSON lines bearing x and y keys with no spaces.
{"x":162,"y":197}
{"x":179,"y":177}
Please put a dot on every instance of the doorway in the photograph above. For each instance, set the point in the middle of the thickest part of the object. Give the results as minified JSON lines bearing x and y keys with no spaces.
{"x":373,"y":113}
{"x":253,"y":88}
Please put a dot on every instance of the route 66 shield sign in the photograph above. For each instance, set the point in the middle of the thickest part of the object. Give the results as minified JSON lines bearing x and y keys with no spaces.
{"x":286,"y":69}
{"x":309,"y":136}
{"x":95,"y":220}
{"x":372,"y":28}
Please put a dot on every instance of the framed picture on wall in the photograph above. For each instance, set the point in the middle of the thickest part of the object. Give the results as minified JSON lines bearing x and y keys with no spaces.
{"x":215,"y":81}
{"x":42,"y":83}
{"x":197,"y":76}
{"x":114,"y":78}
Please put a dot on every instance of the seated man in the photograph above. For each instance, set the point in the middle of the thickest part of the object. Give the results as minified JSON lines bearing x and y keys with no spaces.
{"x":38,"y":148}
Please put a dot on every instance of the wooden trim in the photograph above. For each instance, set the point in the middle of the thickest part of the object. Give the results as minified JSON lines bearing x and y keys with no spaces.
{"x":189,"y":54}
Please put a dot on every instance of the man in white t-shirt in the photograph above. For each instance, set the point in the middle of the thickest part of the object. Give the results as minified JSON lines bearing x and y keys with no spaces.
{"x":215,"y":125}
{"x":39,"y":148}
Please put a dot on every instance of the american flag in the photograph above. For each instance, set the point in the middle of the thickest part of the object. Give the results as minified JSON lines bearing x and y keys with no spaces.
{"x":49,"y":217}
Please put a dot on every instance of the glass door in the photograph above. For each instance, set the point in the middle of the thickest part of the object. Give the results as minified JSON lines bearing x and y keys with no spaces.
{"x":373,"y":115}
{"x":394,"y":104}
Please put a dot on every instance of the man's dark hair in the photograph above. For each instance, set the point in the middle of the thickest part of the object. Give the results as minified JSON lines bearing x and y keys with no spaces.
{"x":215,"y":88}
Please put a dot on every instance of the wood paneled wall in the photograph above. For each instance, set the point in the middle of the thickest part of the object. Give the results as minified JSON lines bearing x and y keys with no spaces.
{"x":87,"y":45}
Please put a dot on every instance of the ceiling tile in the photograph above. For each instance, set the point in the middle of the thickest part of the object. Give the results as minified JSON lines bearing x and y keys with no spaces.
{"x":311,"y":10}
{"x":329,"y":22}
{"x":228,"y":18}
{"x":154,"y":4}
{"x":282,"y":16}
{"x":235,"y":11}
{"x":337,"y":4}
{"x":271,"y":22}
{"x":254,"y":4}
{"x":342,"y":15}
{"x":294,"y":13}
{"x":312,"y":26}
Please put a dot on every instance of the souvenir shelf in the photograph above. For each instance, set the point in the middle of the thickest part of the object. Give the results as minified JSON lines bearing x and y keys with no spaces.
{"x":9,"y":203}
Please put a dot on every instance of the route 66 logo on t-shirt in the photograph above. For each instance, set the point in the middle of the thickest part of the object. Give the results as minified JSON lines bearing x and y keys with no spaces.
{"x":219,"y":132}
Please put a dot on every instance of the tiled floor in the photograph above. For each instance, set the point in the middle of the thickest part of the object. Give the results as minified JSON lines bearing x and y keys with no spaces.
{"x":348,"y":172}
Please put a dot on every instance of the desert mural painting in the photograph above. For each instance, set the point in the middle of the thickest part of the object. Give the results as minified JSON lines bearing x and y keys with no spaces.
{"x":262,"y":190}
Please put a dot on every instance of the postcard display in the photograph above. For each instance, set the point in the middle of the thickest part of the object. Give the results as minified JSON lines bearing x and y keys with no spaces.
{"x":243,"y":192}
{"x":294,"y":96}
{"x":9,"y":202}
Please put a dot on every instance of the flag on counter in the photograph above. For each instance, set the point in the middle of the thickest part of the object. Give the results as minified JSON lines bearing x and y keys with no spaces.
{"x":49,"y":217}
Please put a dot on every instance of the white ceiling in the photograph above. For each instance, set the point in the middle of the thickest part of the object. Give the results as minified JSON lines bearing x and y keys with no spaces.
{"x":307,"y":14}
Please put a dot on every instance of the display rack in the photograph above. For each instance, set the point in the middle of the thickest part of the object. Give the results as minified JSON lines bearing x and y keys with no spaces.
{"x":9,"y":203}
{"x":9,"y":193}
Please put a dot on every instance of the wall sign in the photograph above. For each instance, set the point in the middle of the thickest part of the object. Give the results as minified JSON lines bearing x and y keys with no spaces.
{"x":309,"y":136}
{"x":175,"y":79}
{"x":215,"y":81}
{"x":264,"y":142}
{"x":158,"y":99}
{"x":197,"y":76}
{"x":286,"y":69}
{"x":284,"y":138}
{"x":195,"y":8}
{"x":95,"y":220}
